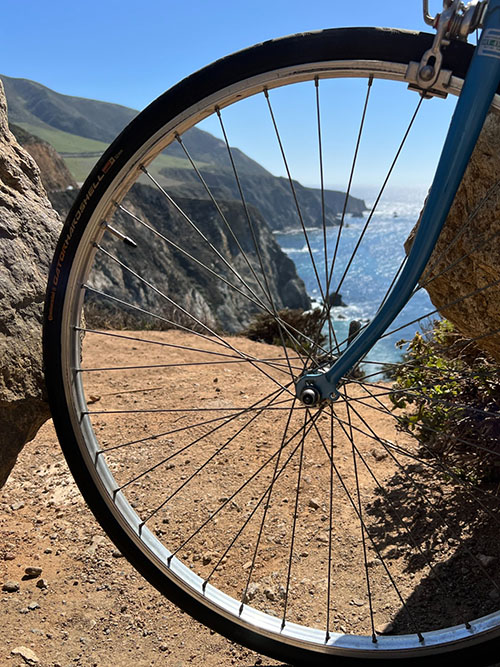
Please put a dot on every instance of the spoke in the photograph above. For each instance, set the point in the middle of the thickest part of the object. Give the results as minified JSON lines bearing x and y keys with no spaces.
{"x":266,"y":507}
{"x":438,"y":311}
{"x":425,"y":496}
{"x":396,"y":513}
{"x":294,"y":194}
{"x":240,"y":488}
{"x":350,"y":436}
{"x":207,"y":461}
{"x":295,"y":515}
{"x":351,"y":177}
{"x":330,"y":533}
{"x":256,"y":407}
{"x":332,"y":337}
{"x":384,"y":410}
{"x":420,"y":395}
{"x":175,"y":325}
{"x":484,"y":243}
{"x":436,"y":260}
{"x":271,"y":361}
{"x":367,"y":532}
{"x":251,"y":296}
{"x":221,"y":214}
{"x":379,"y":196}
{"x":254,"y":239}
{"x":161,"y":294}
{"x":151,"y":438}
{"x":266,"y":495}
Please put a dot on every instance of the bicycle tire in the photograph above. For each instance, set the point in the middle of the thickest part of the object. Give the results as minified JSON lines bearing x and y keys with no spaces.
{"x":370,"y":52}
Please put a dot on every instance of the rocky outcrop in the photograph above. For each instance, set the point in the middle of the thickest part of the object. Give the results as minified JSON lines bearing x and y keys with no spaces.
{"x":272,"y":195}
{"x":55,"y":175}
{"x":468,"y":293}
{"x":208,"y":294}
{"x":28,"y":232}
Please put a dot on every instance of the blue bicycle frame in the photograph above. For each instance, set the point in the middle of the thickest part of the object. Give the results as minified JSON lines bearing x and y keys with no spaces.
{"x":481,"y":83}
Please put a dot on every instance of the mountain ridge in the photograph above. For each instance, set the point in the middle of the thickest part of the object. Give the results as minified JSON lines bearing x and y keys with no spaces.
{"x":83,"y":126}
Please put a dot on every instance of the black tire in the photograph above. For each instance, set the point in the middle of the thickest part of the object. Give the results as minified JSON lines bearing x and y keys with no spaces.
{"x":176,"y":110}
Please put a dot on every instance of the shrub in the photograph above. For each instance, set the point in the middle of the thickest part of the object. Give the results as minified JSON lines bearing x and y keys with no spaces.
{"x":449,"y":393}
{"x":265,"y":328}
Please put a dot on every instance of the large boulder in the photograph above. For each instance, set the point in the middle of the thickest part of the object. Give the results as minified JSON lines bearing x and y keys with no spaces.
{"x":28,"y":232}
{"x":468,"y":293}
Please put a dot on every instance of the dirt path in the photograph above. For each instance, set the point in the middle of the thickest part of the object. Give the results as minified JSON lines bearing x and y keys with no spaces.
{"x":95,"y":609}
{"x":87,"y":606}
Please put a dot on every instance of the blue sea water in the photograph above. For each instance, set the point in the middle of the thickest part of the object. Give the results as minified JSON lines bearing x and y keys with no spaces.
{"x":376,"y":262}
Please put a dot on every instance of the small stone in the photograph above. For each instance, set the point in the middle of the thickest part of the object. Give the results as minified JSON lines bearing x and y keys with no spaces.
{"x":378,"y":455}
{"x":494,"y":594}
{"x":8,"y":556}
{"x":33,"y":572}
{"x":486,"y":560}
{"x":270,"y":594}
{"x":17,"y":506}
{"x":29,"y":656}
{"x":313,"y":503}
{"x":207,"y":558}
{"x":251,"y":592}
{"x":41,"y":583}
{"x":116,"y":554}
{"x":11,"y":586}
{"x":357,"y":602}
{"x":384,"y":629}
{"x":33,"y":605}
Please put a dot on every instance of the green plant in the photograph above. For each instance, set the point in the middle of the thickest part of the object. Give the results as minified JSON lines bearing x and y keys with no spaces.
{"x":446,"y":393}
{"x":265,"y":328}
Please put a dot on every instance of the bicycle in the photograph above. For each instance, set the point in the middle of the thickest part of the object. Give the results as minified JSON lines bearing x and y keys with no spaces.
{"x":251,"y":555}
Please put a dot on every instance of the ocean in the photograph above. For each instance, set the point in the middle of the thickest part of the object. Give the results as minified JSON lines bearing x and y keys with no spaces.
{"x":376,"y":262}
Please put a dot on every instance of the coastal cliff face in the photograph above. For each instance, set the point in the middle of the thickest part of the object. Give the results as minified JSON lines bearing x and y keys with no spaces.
{"x":28,"y":231}
{"x":195,"y":288}
{"x":468,"y":293}
{"x":54,"y":173}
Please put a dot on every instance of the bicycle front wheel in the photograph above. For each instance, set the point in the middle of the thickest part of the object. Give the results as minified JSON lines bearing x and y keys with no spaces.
{"x":346,"y":531}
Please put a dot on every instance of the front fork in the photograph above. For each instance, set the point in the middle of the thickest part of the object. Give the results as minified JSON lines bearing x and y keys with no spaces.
{"x":480,"y":85}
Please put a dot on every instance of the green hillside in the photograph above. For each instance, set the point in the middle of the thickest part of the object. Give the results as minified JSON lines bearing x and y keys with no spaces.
{"x":81,"y":129}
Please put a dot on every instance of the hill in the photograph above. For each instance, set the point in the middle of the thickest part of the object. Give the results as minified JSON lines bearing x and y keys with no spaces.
{"x":81,"y":129}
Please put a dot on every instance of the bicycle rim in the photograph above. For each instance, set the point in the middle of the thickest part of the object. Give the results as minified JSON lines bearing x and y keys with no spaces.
{"x":232,"y":497}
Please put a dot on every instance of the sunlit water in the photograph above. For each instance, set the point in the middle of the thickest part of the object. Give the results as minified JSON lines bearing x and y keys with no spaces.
{"x":376,"y":262}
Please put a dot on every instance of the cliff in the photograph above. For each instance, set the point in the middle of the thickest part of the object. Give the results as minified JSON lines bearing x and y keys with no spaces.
{"x":196,"y":289}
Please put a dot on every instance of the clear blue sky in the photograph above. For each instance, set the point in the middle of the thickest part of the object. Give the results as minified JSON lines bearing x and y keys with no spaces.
{"x":130,"y":52}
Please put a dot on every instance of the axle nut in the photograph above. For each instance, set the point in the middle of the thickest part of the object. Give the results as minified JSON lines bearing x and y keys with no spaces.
{"x":310,"y":396}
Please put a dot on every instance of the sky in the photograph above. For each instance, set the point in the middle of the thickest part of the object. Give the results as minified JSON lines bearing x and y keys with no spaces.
{"x":130,"y":52}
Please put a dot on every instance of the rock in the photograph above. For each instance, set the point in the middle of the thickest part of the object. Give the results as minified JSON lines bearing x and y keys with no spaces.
{"x":252,"y":590}
{"x":11,"y":586}
{"x":55,"y":175}
{"x":470,"y":238}
{"x":29,"y":656}
{"x":28,"y":232}
{"x":384,"y":629}
{"x":270,"y":594}
{"x":486,"y":560}
{"x":335,"y":300}
{"x":379,"y":455}
{"x":33,"y":605}
{"x":41,"y":583}
{"x":32,"y":572}
{"x":17,"y":506}
{"x":314,"y":504}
